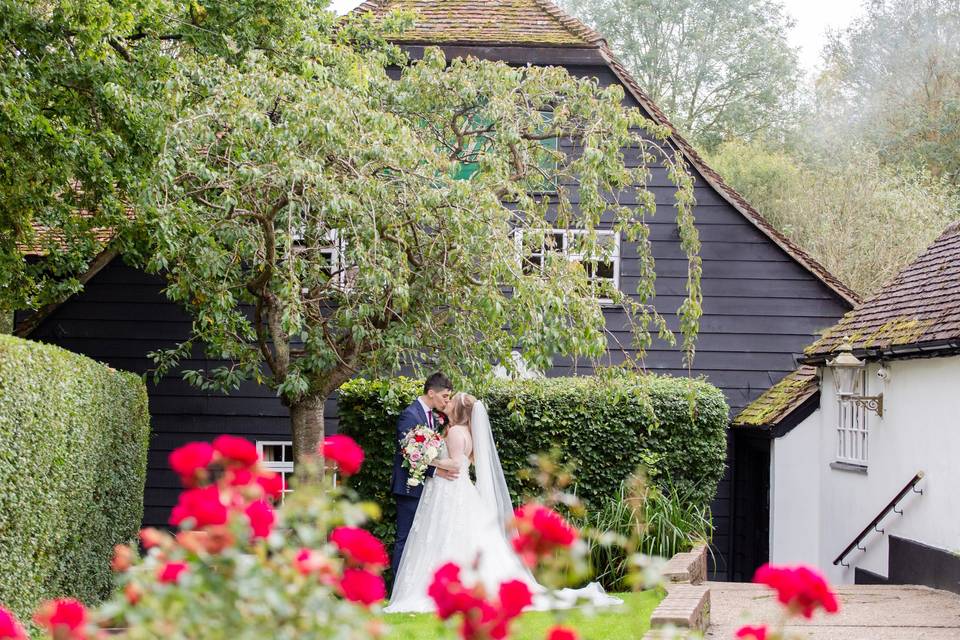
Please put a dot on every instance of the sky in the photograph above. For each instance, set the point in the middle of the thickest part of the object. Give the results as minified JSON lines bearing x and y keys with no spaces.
{"x":813,"y":18}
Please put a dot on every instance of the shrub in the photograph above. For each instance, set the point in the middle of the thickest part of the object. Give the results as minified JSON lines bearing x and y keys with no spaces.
{"x":603,"y":426}
{"x":72,"y":466}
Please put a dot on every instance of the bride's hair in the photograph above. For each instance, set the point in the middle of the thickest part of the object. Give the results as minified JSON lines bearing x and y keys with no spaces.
{"x":461,"y":408}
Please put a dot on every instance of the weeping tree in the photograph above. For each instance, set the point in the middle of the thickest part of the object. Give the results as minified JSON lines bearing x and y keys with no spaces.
{"x":322,"y":216}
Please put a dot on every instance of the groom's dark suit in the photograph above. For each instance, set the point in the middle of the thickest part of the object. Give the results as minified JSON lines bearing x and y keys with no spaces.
{"x":407,"y":497}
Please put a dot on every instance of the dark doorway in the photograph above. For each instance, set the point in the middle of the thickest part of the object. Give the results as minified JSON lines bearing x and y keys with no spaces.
{"x":750,"y":546}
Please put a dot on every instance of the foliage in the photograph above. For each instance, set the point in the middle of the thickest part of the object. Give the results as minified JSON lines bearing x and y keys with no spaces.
{"x":72,"y":468}
{"x":887,"y":215}
{"x":604,"y":427}
{"x":79,"y":116}
{"x":665,"y":522}
{"x":720,"y":70}
{"x":892,"y":80}
{"x":623,"y":623}
{"x":310,"y":212}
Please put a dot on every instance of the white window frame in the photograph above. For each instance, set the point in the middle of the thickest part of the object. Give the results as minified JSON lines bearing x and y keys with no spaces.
{"x":283,"y":467}
{"x":334,"y":247}
{"x":566,"y":234}
{"x":853,"y":428}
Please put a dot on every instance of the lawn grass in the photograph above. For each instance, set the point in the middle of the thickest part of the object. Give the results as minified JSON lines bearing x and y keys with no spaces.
{"x":627,"y":622}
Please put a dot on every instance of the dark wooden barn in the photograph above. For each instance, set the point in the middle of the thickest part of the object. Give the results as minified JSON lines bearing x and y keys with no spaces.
{"x":763,"y":296}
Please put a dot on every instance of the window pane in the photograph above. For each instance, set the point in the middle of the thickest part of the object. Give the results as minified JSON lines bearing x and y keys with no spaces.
{"x":533,"y":264}
{"x":273,"y":453}
{"x":601,"y":270}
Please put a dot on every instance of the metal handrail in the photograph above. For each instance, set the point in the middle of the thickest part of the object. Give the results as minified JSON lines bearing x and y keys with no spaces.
{"x":891,"y":506}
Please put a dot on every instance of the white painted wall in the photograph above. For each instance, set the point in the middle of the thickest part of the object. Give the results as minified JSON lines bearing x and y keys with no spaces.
{"x":817,"y":510}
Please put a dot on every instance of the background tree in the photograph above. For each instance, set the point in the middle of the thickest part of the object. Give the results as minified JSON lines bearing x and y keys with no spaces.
{"x":321,"y":220}
{"x":719,"y":69}
{"x":83,"y":106}
{"x":863,"y":219}
{"x":892,"y":81}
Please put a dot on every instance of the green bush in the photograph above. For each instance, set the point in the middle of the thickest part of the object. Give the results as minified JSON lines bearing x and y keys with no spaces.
{"x":605,"y":426}
{"x":73,"y":459}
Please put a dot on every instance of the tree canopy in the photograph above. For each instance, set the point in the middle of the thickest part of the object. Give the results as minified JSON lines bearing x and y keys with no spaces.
{"x":720,"y":69}
{"x":328,"y":209}
{"x":892,"y":81}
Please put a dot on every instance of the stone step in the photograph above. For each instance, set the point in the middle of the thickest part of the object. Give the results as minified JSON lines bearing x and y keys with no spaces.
{"x":686,"y":606}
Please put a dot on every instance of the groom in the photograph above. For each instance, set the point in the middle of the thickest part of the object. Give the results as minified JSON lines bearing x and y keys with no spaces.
{"x":436,"y":393}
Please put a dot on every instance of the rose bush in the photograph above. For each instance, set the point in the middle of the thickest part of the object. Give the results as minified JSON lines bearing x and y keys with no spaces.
{"x":237,"y":568}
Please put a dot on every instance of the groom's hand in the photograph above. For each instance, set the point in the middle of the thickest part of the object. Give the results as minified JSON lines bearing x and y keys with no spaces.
{"x":447,"y":474}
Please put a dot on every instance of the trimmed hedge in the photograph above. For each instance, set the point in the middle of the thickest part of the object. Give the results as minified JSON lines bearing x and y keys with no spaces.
{"x":73,"y":458}
{"x":606,"y":426}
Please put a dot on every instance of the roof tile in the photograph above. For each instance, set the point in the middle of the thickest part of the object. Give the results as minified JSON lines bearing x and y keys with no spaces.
{"x":780,"y":400}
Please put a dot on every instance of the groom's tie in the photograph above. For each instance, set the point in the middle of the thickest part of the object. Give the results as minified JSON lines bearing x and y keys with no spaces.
{"x":430,"y":419}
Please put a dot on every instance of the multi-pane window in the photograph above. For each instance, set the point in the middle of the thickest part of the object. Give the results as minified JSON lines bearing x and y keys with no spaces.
{"x":853,"y":433}
{"x":602,"y":266}
{"x":277,"y":456}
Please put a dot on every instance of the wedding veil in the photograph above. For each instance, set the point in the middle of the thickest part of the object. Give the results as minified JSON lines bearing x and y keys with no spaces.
{"x":490,"y":481}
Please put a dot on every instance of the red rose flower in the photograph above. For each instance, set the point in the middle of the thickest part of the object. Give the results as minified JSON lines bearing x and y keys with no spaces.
{"x":239,"y":477}
{"x":752,"y":633}
{"x":561,"y":633}
{"x":261,"y":517}
{"x":10,"y":628}
{"x":360,"y":547}
{"x":190,"y":462}
{"x":204,"y":506}
{"x":171,"y":571}
{"x":132,"y":593}
{"x":272,"y":484}
{"x":309,"y":561}
{"x":122,"y":558}
{"x":481,"y":619}
{"x":540,"y":530}
{"x":345,"y":452}
{"x":64,"y":619}
{"x":515,"y":596}
{"x":359,"y":585}
{"x":236,"y":450}
{"x":800,"y":589}
{"x":150,"y":537}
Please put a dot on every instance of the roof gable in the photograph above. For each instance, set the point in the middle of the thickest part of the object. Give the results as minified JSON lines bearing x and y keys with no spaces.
{"x":920,"y":305}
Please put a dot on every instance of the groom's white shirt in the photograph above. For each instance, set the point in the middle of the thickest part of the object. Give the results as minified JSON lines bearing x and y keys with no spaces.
{"x":426,"y":412}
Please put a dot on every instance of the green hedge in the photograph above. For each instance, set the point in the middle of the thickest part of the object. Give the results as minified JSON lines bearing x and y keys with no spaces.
{"x":73,"y":457}
{"x":606,"y":426}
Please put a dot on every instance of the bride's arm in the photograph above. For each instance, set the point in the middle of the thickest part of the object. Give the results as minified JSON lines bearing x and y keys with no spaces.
{"x":456,"y":446}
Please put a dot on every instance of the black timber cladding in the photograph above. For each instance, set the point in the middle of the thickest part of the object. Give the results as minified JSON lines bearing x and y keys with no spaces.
{"x":760,"y":308}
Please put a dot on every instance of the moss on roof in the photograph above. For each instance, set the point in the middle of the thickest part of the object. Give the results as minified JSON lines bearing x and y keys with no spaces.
{"x":779,"y":400}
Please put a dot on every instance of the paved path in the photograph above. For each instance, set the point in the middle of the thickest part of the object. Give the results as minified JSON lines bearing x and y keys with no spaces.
{"x":867,"y":612}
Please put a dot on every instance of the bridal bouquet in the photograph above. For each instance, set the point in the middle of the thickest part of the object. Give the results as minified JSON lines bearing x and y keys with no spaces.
{"x":420,"y":447}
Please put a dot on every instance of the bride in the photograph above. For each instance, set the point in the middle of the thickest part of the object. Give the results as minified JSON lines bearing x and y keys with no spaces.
{"x":466,"y":523}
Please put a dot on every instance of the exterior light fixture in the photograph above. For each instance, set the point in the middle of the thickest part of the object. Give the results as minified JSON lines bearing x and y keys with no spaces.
{"x":847,"y":369}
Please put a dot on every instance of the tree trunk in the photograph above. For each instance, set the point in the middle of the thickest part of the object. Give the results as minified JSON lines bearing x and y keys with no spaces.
{"x":306,"y":426}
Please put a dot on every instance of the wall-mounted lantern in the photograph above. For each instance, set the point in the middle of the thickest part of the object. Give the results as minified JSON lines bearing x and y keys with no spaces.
{"x":847,"y":371}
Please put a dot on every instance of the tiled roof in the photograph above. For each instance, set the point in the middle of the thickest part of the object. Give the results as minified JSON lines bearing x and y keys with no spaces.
{"x":44,"y":235}
{"x":920,"y":305}
{"x":540,"y":22}
{"x":780,"y":400}
{"x":488,"y":22}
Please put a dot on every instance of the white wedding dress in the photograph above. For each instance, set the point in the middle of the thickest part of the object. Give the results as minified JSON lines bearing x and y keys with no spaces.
{"x":465,"y":523}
